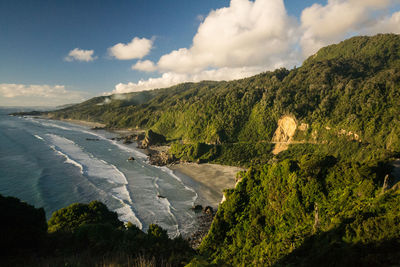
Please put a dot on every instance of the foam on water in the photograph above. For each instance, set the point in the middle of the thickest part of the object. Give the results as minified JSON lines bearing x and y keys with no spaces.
{"x":169,"y":206}
{"x":99,"y":169}
{"x":94,"y":167}
{"x":129,"y":149}
{"x":38,"y":137}
{"x":170,"y":211}
{"x":68,"y":159}
{"x":116,"y":143}
{"x":126,"y":214}
{"x":48,"y":124}
{"x":171,"y":173}
{"x":122,"y":193}
{"x":164,"y":201}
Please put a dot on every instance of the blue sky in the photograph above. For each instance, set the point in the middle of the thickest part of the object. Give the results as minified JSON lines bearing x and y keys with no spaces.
{"x":180,"y":41}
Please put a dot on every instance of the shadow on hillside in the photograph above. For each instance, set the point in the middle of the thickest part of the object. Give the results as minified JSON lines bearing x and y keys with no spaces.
{"x":329,"y":249}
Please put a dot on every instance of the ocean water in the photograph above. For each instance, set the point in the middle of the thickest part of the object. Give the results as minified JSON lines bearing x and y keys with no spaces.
{"x":51,"y":164}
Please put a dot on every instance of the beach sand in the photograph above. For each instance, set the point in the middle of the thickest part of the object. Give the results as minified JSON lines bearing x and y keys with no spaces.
{"x":85,"y":123}
{"x":208,"y":180}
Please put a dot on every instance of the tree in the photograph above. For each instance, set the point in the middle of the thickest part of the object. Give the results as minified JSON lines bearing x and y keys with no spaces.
{"x":22,"y":226}
{"x":69,"y":219}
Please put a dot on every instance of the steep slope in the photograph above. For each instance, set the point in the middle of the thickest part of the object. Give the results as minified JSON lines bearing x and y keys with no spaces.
{"x":351,"y":87}
{"x":323,"y":201}
{"x":332,"y":201}
{"x":314,"y":210}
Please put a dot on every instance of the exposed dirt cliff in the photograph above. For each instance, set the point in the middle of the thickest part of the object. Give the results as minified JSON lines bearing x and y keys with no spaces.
{"x":284,"y":133}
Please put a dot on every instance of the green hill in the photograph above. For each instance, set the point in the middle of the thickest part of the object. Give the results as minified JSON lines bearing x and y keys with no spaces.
{"x":351,"y":86}
{"x":82,"y":235}
{"x":331,"y":199}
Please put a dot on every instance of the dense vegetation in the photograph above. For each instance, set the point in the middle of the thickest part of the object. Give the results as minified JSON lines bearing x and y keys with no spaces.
{"x":310,"y":209}
{"x":351,"y":86}
{"x":234,"y":154}
{"x":331,"y":199}
{"x":82,"y":235}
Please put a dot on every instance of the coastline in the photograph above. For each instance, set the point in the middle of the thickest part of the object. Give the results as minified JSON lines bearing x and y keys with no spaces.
{"x":82,"y":123}
{"x":209,"y":180}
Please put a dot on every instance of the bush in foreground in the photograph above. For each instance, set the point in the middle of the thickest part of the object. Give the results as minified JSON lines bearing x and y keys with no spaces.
{"x":82,"y":235}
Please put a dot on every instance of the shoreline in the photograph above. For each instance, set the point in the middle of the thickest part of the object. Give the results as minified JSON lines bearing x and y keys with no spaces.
{"x":83,"y":123}
{"x":208,"y":180}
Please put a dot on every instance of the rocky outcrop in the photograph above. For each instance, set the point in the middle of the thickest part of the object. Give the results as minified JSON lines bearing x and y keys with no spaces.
{"x":197,"y":208}
{"x":208,"y":210}
{"x":139,"y":137}
{"x":129,"y":139}
{"x":351,"y":135}
{"x":160,"y":158}
{"x":223,"y":198}
{"x":95,"y":128}
{"x":284,"y":133}
{"x":152,"y":138}
{"x":204,"y":223}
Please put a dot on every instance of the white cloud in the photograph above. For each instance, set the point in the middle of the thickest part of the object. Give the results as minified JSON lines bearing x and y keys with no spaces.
{"x":248,"y":37}
{"x":48,"y":95}
{"x":80,"y":55}
{"x":384,"y":24}
{"x":13,"y":90}
{"x":146,"y":65}
{"x":246,"y":33}
{"x":137,"y":48}
{"x":324,"y":25}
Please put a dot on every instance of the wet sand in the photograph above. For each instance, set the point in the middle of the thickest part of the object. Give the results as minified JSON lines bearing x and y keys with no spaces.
{"x":85,"y":123}
{"x":208,"y":180}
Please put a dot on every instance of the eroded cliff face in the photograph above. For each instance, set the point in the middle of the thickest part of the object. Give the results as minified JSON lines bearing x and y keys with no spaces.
{"x":284,"y":133}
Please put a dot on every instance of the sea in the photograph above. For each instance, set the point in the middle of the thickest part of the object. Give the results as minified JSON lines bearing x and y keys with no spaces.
{"x":52,"y":164}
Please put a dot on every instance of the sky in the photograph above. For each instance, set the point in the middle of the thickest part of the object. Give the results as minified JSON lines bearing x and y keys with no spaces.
{"x":55,"y":52}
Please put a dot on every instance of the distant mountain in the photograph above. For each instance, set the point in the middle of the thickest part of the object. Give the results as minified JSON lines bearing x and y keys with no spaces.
{"x":65,"y":106}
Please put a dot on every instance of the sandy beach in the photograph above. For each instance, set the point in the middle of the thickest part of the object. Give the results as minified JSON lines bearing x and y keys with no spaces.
{"x":209,"y":180}
{"x":84,"y":123}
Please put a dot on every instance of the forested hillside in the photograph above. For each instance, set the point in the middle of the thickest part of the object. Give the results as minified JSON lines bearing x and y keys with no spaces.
{"x":82,"y":235}
{"x":352,"y":86}
{"x":332,"y":198}
{"x":309,"y":208}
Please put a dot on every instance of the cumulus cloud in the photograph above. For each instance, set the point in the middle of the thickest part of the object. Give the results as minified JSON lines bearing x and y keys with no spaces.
{"x":137,"y":48}
{"x":246,"y":33}
{"x":147,"y":66}
{"x":331,"y":23}
{"x":80,"y":55}
{"x":243,"y":39}
{"x":389,"y":24}
{"x":49,"y":95}
{"x":249,"y":37}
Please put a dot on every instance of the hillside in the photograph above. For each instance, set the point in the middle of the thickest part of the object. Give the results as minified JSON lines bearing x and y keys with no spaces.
{"x":82,"y":235}
{"x":330,"y":196}
{"x":349,"y":87}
